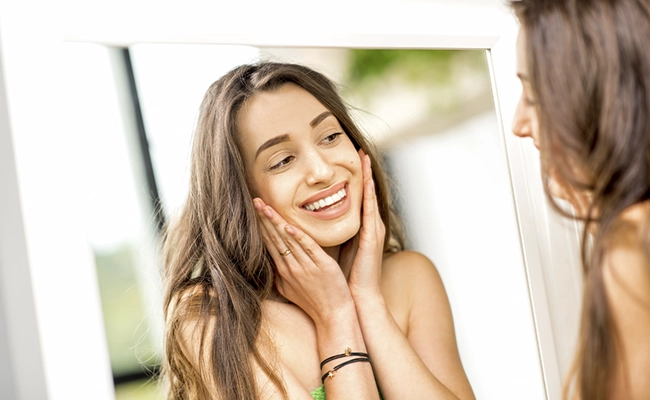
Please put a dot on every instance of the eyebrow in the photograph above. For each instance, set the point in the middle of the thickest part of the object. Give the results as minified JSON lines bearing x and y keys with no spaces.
{"x":272,"y":142}
{"x":283,"y":138}
{"x":319,"y":118}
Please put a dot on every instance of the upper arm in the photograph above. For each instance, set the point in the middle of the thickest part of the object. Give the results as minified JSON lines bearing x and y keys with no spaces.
{"x":269,"y":391}
{"x":430,"y":326}
{"x":196,"y":346}
{"x":626,"y":275}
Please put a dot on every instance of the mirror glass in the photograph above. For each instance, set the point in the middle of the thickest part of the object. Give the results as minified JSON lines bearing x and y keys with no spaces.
{"x":432,"y":114}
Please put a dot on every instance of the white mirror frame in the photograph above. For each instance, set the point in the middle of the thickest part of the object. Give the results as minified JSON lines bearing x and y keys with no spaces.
{"x":52,"y":341}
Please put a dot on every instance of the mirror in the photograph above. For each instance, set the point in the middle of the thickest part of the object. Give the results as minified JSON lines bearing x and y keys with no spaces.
{"x":432,"y":114}
{"x":40,"y":316}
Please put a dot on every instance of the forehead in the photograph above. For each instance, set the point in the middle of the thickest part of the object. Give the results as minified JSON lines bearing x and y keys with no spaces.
{"x":288,"y":109}
{"x":522,"y":62}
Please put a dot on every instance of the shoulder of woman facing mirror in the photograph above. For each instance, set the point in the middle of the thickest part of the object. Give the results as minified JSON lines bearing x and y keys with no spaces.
{"x":626,"y":257}
{"x":626,"y":279}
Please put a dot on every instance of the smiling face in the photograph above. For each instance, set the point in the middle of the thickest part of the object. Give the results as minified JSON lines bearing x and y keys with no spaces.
{"x":299,"y":161}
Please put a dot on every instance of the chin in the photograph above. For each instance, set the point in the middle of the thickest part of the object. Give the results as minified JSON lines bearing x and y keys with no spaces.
{"x":335,"y":236}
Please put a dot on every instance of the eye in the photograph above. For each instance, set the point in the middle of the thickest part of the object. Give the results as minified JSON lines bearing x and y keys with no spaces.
{"x":332,"y":138}
{"x":528,"y":102}
{"x":285,"y":161}
{"x":526,"y":99}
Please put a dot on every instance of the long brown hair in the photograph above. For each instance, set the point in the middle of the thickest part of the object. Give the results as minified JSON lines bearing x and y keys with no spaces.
{"x":216,"y":266}
{"x":589,"y":66}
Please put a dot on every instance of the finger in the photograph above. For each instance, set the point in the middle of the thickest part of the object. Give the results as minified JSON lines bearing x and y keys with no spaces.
{"x":306,"y":249}
{"x":305,"y":252}
{"x":270,"y":246}
{"x":278,"y":259}
{"x":292,"y":253}
{"x":369,"y":195}
{"x":272,"y":240}
{"x":372,"y":228}
{"x":361,"y":154}
{"x":274,"y":225}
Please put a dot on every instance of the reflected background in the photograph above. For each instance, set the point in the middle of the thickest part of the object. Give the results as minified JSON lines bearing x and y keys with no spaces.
{"x":431,"y":112}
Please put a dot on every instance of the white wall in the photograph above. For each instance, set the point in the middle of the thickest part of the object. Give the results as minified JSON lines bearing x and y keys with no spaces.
{"x":457,"y":204}
{"x":48,"y":286}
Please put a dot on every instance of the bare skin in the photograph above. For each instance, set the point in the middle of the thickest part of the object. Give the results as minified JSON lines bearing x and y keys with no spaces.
{"x":626,"y":274}
{"x":330,"y":296}
{"x":626,"y":268}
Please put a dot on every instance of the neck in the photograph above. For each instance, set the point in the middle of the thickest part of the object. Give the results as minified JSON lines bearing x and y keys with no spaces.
{"x":343,"y":262}
{"x":333,"y":252}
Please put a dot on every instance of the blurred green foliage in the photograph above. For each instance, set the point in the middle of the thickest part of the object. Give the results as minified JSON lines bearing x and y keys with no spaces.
{"x":414,"y":65}
{"x":139,"y":390}
{"x":124,"y":311}
{"x":442,"y":80}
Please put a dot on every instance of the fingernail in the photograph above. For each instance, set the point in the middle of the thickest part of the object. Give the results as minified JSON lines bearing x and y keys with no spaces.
{"x":267,"y":212}
{"x":290,"y":230}
{"x":258,"y":204}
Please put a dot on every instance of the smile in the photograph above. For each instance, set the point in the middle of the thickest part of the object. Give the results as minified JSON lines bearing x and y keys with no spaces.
{"x":328,"y":201}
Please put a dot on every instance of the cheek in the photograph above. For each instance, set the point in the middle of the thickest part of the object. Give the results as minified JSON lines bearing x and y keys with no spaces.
{"x":277,"y":191}
{"x":534,"y":126}
{"x":270,"y":193}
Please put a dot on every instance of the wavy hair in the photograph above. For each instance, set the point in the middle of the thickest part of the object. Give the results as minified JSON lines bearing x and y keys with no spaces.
{"x":589,"y":66}
{"x":217,"y":269}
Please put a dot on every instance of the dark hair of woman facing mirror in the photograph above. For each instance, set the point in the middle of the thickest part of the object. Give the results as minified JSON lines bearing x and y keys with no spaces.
{"x":585,"y":72}
{"x":285,"y":271}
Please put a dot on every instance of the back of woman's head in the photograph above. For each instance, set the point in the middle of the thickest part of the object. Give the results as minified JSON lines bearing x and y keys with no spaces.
{"x":589,"y":68}
{"x":215,"y":261}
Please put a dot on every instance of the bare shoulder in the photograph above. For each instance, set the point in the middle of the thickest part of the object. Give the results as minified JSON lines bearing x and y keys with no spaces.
{"x":193,"y":335}
{"x":626,"y":274}
{"x":408,"y":264}
{"x":412,"y":270}
{"x":412,"y":287}
{"x":412,"y":281}
{"x":626,"y":263}
{"x":190,"y":328}
{"x":626,"y":277}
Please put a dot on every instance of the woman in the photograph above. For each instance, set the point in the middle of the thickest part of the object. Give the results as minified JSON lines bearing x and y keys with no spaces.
{"x":285,"y":270}
{"x":585,"y":71}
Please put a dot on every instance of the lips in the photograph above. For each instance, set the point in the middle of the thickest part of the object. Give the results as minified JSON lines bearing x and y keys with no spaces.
{"x":327,"y":201}
{"x":322,"y":195}
{"x":330,"y":203}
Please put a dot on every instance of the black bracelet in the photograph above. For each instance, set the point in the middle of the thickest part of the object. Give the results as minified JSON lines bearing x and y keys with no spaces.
{"x":348,"y":352}
{"x":330,"y":373}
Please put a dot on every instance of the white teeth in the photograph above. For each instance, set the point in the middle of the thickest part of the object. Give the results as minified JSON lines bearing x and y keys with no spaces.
{"x":327,"y":201}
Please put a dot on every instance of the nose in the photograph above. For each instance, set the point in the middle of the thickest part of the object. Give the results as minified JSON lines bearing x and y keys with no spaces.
{"x":319,"y":169}
{"x":521,"y":121}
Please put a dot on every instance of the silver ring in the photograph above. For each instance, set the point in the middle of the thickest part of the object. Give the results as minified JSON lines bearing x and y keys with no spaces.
{"x":286,"y":253}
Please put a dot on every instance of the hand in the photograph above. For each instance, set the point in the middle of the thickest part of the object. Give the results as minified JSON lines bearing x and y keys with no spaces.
{"x":367,"y":247}
{"x":306,"y":275}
